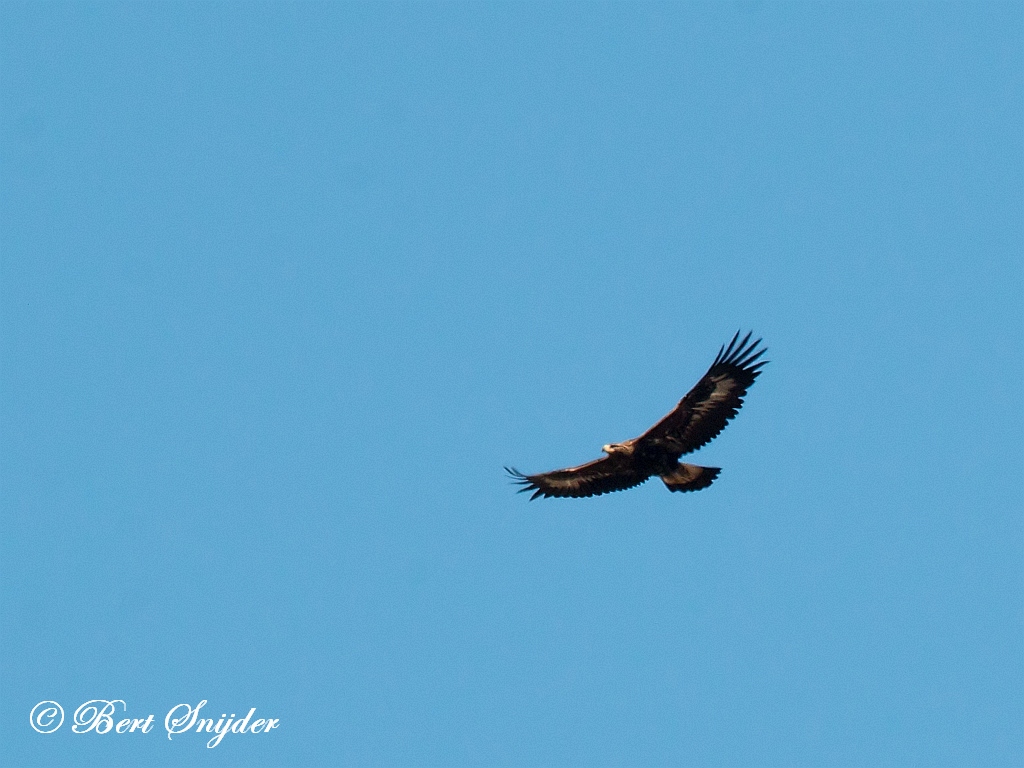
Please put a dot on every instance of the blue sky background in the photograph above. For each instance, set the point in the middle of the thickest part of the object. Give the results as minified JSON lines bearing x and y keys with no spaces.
{"x":284,"y":286}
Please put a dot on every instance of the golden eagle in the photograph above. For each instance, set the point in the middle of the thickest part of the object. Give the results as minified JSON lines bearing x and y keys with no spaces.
{"x":694,"y":422}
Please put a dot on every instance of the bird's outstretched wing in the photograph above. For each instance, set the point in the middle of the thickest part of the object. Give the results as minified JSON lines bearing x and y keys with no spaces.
{"x":705,"y":410}
{"x":611,"y":473}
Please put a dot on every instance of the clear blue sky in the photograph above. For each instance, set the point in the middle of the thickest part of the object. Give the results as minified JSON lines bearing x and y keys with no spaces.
{"x":284,"y":286}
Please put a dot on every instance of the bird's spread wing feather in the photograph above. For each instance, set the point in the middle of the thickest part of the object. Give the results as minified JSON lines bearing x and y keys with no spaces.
{"x":705,"y":410}
{"x":611,"y":473}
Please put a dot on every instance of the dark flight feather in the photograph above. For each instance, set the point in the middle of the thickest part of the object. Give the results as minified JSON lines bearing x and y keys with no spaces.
{"x":696,"y":420}
{"x":705,"y":410}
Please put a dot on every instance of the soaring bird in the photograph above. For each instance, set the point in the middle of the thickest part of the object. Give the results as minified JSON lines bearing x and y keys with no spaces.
{"x":694,"y":422}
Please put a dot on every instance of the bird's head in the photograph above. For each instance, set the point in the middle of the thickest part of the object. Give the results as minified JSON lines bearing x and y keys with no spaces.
{"x":614,"y":448}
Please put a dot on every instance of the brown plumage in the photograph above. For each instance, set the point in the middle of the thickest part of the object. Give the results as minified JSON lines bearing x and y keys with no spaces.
{"x":693,"y":423}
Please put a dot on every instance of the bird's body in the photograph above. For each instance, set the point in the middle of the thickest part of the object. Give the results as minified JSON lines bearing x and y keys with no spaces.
{"x":698,"y":418}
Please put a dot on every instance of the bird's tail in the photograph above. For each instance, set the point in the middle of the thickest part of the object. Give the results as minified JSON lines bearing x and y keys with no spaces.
{"x":690,"y":477}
